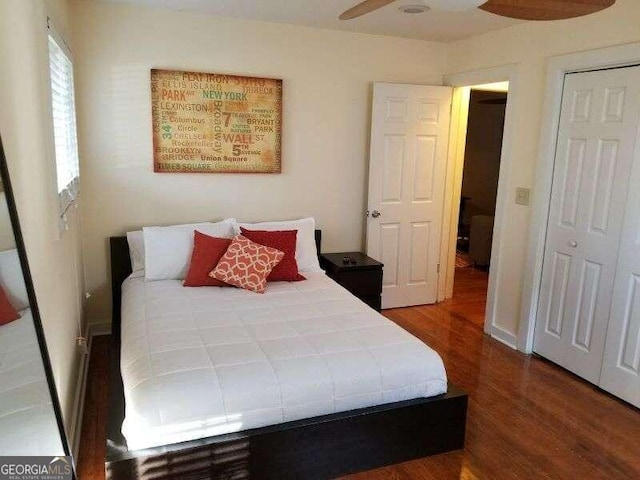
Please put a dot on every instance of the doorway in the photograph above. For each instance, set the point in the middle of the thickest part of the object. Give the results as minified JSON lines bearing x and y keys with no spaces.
{"x":486,"y":106}
{"x":481,"y":111}
{"x":418,"y":137}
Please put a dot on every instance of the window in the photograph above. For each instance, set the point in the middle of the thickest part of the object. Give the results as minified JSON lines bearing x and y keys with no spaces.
{"x":64,"y":124}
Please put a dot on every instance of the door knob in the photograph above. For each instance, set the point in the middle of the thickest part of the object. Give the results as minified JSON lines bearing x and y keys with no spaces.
{"x":375,"y":214}
{"x":573,"y":244}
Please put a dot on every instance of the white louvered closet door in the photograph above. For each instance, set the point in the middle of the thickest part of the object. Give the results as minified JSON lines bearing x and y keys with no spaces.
{"x":594,"y":158}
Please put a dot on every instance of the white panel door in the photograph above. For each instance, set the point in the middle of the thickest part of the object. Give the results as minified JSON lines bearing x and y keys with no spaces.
{"x":409,"y":141}
{"x":621,"y":365}
{"x":594,"y":155}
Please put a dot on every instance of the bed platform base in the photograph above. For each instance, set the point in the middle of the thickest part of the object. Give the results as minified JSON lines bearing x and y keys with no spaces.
{"x":315,"y":448}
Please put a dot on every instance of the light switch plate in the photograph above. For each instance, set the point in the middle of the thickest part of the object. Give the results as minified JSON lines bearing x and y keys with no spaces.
{"x":522,"y":195}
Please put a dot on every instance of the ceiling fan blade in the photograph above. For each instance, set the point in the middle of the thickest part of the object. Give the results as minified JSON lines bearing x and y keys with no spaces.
{"x":363,"y":8}
{"x":545,"y":9}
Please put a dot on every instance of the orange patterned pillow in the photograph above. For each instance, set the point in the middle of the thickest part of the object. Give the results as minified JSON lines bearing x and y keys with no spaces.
{"x":247,"y":264}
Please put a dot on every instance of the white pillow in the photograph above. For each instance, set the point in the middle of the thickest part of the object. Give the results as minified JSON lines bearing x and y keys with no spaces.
{"x":136,"y":250}
{"x":167,"y":250}
{"x":306,"y":251}
{"x":12,"y":279}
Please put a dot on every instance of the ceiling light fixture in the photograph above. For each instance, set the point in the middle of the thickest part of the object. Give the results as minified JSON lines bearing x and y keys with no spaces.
{"x":413,"y":9}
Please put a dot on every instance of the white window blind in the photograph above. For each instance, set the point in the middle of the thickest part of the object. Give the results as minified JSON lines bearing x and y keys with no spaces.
{"x":64,"y":125}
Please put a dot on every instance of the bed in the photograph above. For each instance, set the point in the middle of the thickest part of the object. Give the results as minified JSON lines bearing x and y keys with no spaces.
{"x":304,"y":381}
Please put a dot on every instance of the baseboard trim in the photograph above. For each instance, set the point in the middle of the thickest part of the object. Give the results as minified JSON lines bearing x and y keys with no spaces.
{"x":501,"y":335}
{"x":92,"y":330}
{"x":78,"y":401}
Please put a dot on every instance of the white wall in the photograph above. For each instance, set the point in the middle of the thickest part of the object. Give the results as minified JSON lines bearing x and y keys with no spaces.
{"x":327,"y":93}
{"x":26,"y":129}
{"x":529,"y":45}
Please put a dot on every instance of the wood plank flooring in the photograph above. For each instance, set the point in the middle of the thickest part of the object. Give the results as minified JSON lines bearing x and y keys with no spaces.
{"x":93,"y":435}
{"x":528,"y":418}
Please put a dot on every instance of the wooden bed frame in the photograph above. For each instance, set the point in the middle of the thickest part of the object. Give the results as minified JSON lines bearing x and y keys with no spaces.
{"x":319,"y":447}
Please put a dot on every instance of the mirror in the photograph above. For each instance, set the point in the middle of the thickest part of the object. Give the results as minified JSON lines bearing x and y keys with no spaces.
{"x":30,"y":419}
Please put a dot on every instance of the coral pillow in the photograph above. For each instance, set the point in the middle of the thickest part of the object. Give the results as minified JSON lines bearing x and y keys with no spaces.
{"x":247,"y":264}
{"x":207,"y":252}
{"x":7,"y":312}
{"x":285,"y":241}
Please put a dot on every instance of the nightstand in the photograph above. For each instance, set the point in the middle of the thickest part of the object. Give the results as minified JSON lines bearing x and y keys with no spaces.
{"x":362,"y":276}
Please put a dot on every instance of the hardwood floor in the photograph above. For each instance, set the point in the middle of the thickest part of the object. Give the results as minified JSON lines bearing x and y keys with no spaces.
{"x":469,"y":295}
{"x":90,"y":461}
{"x":528,"y":418}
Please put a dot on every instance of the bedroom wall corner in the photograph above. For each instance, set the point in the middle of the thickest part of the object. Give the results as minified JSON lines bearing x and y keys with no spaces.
{"x":327,"y":94}
{"x":26,"y":128}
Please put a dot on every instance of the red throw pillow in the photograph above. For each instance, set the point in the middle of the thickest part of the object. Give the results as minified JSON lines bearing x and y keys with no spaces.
{"x":285,"y":241}
{"x":247,"y":264}
{"x":207,"y":252}
{"x":7,"y":313}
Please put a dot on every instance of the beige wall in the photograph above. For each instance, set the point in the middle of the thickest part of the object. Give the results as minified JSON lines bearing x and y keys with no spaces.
{"x":529,"y":46}
{"x":26,"y":129}
{"x":327,"y":95}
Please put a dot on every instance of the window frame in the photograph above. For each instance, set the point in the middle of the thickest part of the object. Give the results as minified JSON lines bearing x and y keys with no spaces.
{"x":68,"y":196}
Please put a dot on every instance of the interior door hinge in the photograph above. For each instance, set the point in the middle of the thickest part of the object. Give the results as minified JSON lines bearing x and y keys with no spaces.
{"x":438,"y":268}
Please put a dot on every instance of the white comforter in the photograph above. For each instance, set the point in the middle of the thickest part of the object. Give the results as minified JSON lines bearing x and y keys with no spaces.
{"x":198,"y":362}
{"x":27,"y":421}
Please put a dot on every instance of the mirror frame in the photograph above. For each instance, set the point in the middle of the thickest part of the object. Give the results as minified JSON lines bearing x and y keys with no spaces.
{"x":22,"y":254}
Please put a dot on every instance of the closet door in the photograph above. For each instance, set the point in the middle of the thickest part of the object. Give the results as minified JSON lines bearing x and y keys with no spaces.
{"x":594,"y":155}
{"x":621,"y":365}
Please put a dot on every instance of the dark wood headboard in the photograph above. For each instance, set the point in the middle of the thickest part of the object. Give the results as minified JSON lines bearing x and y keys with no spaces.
{"x":121,"y":269}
